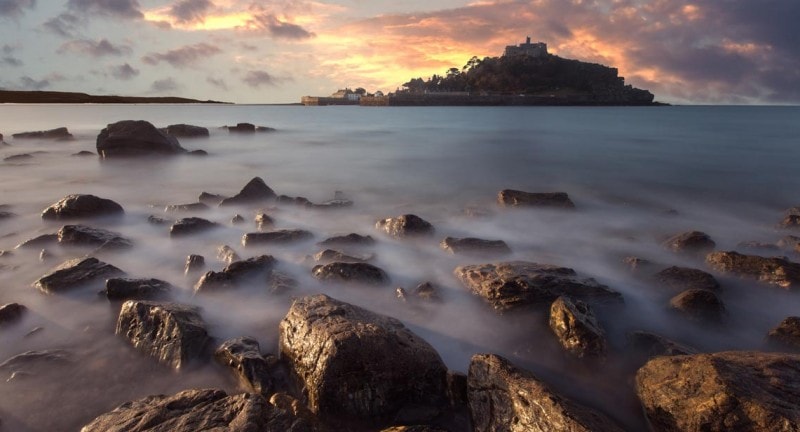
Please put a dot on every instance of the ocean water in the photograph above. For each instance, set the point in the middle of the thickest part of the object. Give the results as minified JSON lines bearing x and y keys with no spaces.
{"x":727,"y":171}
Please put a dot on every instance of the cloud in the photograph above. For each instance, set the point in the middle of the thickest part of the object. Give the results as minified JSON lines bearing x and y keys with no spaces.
{"x":257,"y":79}
{"x":188,"y":11}
{"x":10,"y":61}
{"x":183,"y":56}
{"x":217,"y":82}
{"x":92,"y":48}
{"x":270,"y":24}
{"x":124,"y":72}
{"x":65,"y":24}
{"x":28,"y":83}
{"x":127,"y":9}
{"x":15,"y":8}
{"x":164,"y":85}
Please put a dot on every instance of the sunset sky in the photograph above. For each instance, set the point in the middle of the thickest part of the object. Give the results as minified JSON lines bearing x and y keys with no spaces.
{"x":245,"y":51}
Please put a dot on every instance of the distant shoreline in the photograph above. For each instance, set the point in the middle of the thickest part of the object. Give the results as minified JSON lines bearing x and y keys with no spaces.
{"x":53,"y":97}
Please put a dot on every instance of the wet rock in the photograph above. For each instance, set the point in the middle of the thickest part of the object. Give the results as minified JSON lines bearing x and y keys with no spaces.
{"x":407,"y":225}
{"x":194,"y":263}
{"x":75,"y":273}
{"x":330,"y":255}
{"x":237,"y":219}
{"x":120,"y":289}
{"x":692,"y":242}
{"x":281,"y":283}
{"x":776,"y":271}
{"x":474,"y":246}
{"x":515,"y":198}
{"x":791,"y":221}
{"x":255,"y":191}
{"x":186,"y":208}
{"x":699,"y":305}
{"x":31,"y":360}
{"x":242,"y":128}
{"x":514,"y":284}
{"x":227,"y":255}
{"x":172,"y":333}
{"x":82,"y":206}
{"x":211,"y":199}
{"x":236,"y":273}
{"x":356,"y":365}
{"x":358,"y":273}
{"x":683,"y":278}
{"x":60,"y":134}
{"x":577,"y":329}
{"x":135,"y":138}
{"x":426,"y":291}
{"x":243,"y":356}
{"x":187,"y":131}
{"x":18,"y":157}
{"x":10,"y":313}
{"x":304,"y":419}
{"x":786,"y":334}
{"x":790,"y":242}
{"x":191,"y":225}
{"x":352,"y":239}
{"x":727,"y":391}
{"x":38,"y":242}
{"x":653,"y":345}
{"x":84,"y":236}
{"x":275,"y":237}
{"x":263,"y":221}
{"x":457,"y":388}
{"x":503,"y":397}
{"x":155,"y":220}
{"x":83,"y":153}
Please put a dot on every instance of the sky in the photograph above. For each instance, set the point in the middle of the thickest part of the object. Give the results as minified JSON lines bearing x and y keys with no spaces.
{"x":246,"y":51}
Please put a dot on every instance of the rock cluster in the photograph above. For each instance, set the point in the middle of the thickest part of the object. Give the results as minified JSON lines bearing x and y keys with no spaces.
{"x":129,"y":138}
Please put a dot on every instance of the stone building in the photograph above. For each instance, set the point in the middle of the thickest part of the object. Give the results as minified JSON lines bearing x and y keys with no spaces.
{"x":538,"y":49}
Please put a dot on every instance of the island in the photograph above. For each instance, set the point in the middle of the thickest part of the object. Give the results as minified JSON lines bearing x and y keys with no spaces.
{"x":54,"y":97}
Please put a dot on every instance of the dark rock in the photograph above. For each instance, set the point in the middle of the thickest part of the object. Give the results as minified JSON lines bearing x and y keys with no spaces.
{"x":426,"y":291}
{"x":791,"y":221}
{"x":82,"y":236}
{"x":44,"y":255}
{"x":352,"y":239}
{"x":515,"y":198}
{"x":275,"y":237}
{"x":33,"y":359}
{"x":577,"y":329}
{"x":191,"y":225}
{"x":727,"y":391}
{"x":265,"y":129}
{"x":692,"y":242}
{"x":635,"y":263}
{"x":155,"y":220}
{"x":38,"y":242}
{"x":330,"y":255}
{"x":6,"y":215}
{"x":58,"y":134}
{"x":457,"y":388}
{"x":237,"y":219}
{"x":18,"y":157}
{"x":474,"y":246}
{"x":255,"y":191}
{"x":120,"y":289}
{"x":281,"y":283}
{"x":683,"y":278}
{"x":84,"y":153}
{"x":75,"y":273}
{"x":263,"y":221}
{"x":236,"y":273}
{"x":304,"y":419}
{"x":401,"y":294}
{"x":356,"y":365}
{"x":242,"y":128}
{"x":415,"y":428}
{"x":790,"y":242}
{"x":408,"y":225}
{"x":187,"y":131}
{"x":227,"y":255}
{"x":503,"y":397}
{"x":191,"y":207}
{"x":332,"y":204}
{"x":298,"y":201}
{"x":194,"y":263}
{"x":792,"y":211}
{"x":699,"y":305}
{"x":211,"y":199}
{"x":514,"y":284}
{"x":82,"y":206}
{"x":653,"y":345}
{"x":786,"y":334}
{"x":776,"y":271}
{"x":358,"y":273}
{"x":11,"y":312}
{"x":243,"y":356}
{"x":198,"y":153}
{"x":135,"y":138}
{"x":172,"y":333}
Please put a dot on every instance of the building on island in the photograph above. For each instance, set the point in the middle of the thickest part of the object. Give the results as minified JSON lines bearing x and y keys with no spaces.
{"x":538,"y":49}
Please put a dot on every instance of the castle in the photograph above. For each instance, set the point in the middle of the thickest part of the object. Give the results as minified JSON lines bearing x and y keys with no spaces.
{"x":538,"y":49}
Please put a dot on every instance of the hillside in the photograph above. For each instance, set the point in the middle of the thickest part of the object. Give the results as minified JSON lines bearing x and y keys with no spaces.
{"x":9,"y":96}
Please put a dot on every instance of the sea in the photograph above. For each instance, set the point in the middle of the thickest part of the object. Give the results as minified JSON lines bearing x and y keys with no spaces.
{"x":637,"y":175}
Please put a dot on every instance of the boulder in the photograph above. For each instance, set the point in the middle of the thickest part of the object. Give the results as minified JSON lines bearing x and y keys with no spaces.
{"x":186,"y":208}
{"x":636,"y":264}
{"x":194,"y":263}
{"x":135,"y":138}
{"x":121,"y":289}
{"x":30,"y":360}
{"x":426,"y":291}
{"x":236,"y":273}
{"x":727,"y":391}
{"x":515,"y":198}
{"x":514,"y":284}
{"x":281,"y":283}
{"x":18,"y":157}
{"x":6,"y":215}
{"x":790,"y":242}
{"x":699,"y":305}
{"x":415,"y":428}
{"x":60,"y":134}
{"x":155,"y":220}
{"x":242,"y":128}
{"x":758,"y":247}
{"x":344,"y":272}
{"x":692,"y":242}
{"x":474,"y":246}
{"x":577,"y":329}
{"x":352,"y":239}
{"x":38,"y":242}
{"x":191,"y":225}
{"x":331,"y":255}
{"x":298,"y":201}
{"x":503,"y":397}
{"x":776,"y":271}
{"x":263,"y":221}
{"x":243,"y":356}
{"x":356,"y":365}
{"x":653,"y":345}
{"x":84,"y":236}
{"x":332,"y":204}
{"x":237,"y":219}
{"x":172,"y":333}
{"x":683,"y":278}
{"x":791,"y":221}
{"x":227,"y":255}
{"x":786,"y":334}
{"x":82,"y":206}
{"x":255,"y":191}
{"x":187,"y":131}
{"x":275,"y":237}
{"x":210,"y":199}
{"x":10,"y":313}
{"x":407,"y":225}
{"x":84,"y":153}
{"x":76,"y":273}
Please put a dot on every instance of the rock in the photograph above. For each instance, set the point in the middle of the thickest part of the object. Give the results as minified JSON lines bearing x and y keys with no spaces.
{"x":358,"y":273}
{"x":60,"y":134}
{"x":227,"y":255}
{"x":84,"y":236}
{"x":237,"y":219}
{"x":187,"y":131}
{"x":304,"y":419}
{"x":635,"y":263}
{"x":135,"y":138}
{"x":514,"y":284}
{"x":426,"y":291}
{"x":275,"y":237}
{"x":474,"y":246}
{"x":757,"y":247}
{"x":10,"y":313}
{"x":18,"y":157}
{"x":332,"y":204}
{"x":577,"y":329}
{"x":120,"y":289}
{"x":790,"y":242}
{"x":198,"y":153}
{"x":683,"y":278}
{"x":263,"y":221}
{"x":185,"y":208}
{"x":330,"y":255}
{"x":281,"y":283}
{"x":197,"y":410}
{"x":194,"y":263}
{"x":776,"y":271}
{"x":692,"y":242}
{"x":503,"y":397}
{"x":6,"y":215}
{"x":457,"y":388}
{"x":401,"y":294}
{"x":33,"y":359}
{"x":38,"y":242}
{"x":75,"y":273}
{"x":243,"y":356}
{"x":242,"y":128}
{"x":236,"y":273}
{"x":83,"y":153}
{"x":356,"y":365}
{"x":791,"y":221}
{"x":699,"y":305}
{"x":786,"y":334}
{"x":82,"y":206}
{"x":155,"y":220}
{"x":415,"y":428}
{"x":653,"y":345}
{"x":172,"y":333}
{"x":408,"y":225}
{"x":265,"y":129}
{"x":255,"y":191}
{"x":515,"y":198}
{"x":727,"y":391}
{"x":211,"y":199}
{"x":191,"y":225}
{"x":792,"y":210}
{"x":352,"y":239}
{"x":298,"y":201}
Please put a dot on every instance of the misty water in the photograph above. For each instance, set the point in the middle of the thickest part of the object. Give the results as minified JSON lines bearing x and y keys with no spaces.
{"x":726,"y":171}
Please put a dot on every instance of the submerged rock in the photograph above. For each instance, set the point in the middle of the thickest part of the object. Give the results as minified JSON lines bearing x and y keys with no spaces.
{"x":281,"y":283}
{"x":191,"y":225}
{"x":242,"y":128}
{"x":75,"y":273}
{"x":776,"y":271}
{"x":172,"y":333}
{"x":474,"y":246}
{"x":426,"y":291}
{"x":82,"y":206}
{"x":236,"y":273}
{"x":516,"y":198}
{"x":692,"y":242}
{"x":503,"y":397}
{"x":237,"y":219}
{"x":255,"y":191}
{"x":33,"y":359}
{"x":194,"y":263}
{"x":135,"y":138}
{"x":263,"y":221}
{"x":10,"y":313}
{"x":187,"y":131}
{"x":346,"y":272}
{"x":18,"y":157}
{"x":741,"y":391}
{"x":190,"y":207}
{"x":211,"y":199}
{"x":243,"y":356}
{"x":330,"y":255}
{"x":577,"y":329}
{"x":653,"y":345}
{"x":683,"y":278}
{"x":120,"y":289}
{"x":356,"y":365}
{"x":275,"y":237}
{"x":155,"y":220}
{"x":790,"y":242}
{"x":407,"y":225}
{"x":227,"y":255}
{"x":699,"y":305}
{"x":786,"y":334}
{"x":60,"y":133}
{"x":81,"y":235}
{"x":38,"y":242}
{"x":352,"y":239}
